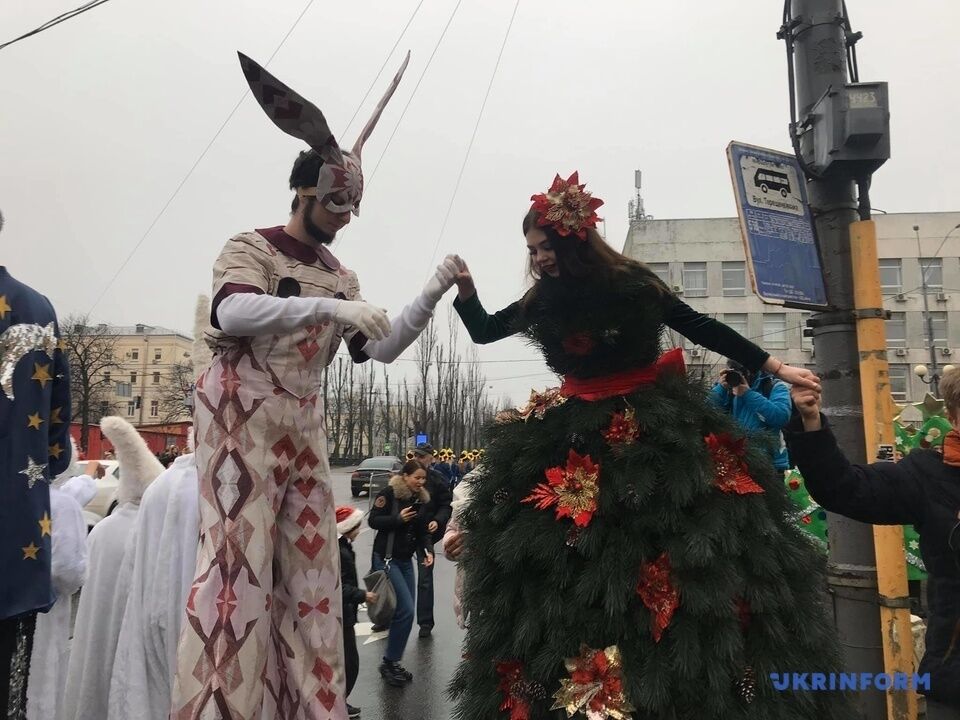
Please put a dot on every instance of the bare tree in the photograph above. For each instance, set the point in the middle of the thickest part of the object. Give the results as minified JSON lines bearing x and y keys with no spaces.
{"x":91,"y":351}
{"x":174,"y":393}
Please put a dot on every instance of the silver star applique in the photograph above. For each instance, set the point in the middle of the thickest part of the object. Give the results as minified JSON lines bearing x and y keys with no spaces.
{"x":33,"y":471}
{"x":914,"y":545}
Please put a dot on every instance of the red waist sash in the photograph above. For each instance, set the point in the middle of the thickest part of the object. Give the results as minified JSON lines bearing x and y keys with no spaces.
{"x":600,"y":388}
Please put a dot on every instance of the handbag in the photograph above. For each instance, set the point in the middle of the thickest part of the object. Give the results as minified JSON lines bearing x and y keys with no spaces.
{"x":378,"y":582}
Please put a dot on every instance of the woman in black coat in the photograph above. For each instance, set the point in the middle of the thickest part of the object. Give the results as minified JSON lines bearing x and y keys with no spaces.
{"x":348,"y":526}
{"x":400,"y":517}
{"x":922,"y":490}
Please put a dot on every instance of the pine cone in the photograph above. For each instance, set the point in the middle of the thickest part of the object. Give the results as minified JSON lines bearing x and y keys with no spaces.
{"x":572,"y":536}
{"x":501,"y":496}
{"x":747,"y":685}
{"x":535,"y":691}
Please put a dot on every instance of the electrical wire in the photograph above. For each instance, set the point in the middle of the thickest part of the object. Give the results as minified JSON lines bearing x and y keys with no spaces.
{"x":473,"y":136}
{"x":193,"y":167}
{"x":369,"y":180}
{"x":383,"y":67}
{"x":63,"y":17}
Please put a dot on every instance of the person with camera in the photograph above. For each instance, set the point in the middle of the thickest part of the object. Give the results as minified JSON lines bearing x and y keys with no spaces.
{"x":438,"y":515}
{"x":758,"y":401}
{"x":400,"y":515}
{"x":923,"y":489}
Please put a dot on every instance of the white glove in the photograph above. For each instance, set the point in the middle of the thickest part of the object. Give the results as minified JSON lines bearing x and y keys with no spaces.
{"x":371,"y":321}
{"x":443,"y":279}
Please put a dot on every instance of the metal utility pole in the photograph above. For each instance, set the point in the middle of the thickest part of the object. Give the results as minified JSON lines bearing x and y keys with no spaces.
{"x":928,"y":319}
{"x":820,"y":46}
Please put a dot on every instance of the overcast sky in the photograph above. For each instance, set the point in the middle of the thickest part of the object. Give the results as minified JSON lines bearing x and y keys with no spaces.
{"x":102,"y":117}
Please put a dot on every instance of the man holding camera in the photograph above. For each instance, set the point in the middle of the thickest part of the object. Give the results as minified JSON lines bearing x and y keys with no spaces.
{"x":757,"y":401}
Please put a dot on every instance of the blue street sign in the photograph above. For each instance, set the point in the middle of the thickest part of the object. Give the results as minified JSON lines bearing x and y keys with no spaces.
{"x":421,"y":438}
{"x":776,"y":226}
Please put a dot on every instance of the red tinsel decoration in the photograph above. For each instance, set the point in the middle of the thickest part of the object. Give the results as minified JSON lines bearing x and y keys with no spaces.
{"x":511,"y":678}
{"x":656,"y":590}
{"x":730,"y":471}
{"x":744,"y":613}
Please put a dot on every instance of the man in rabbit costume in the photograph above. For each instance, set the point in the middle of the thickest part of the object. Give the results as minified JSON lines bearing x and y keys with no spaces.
{"x":263,"y":631}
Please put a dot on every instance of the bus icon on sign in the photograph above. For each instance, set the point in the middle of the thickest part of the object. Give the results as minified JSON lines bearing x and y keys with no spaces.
{"x":768,"y":180}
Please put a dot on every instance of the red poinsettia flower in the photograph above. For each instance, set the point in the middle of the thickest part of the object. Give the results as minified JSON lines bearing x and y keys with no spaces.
{"x":624,"y":428}
{"x":656,"y":589}
{"x":578,"y":344}
{"x":567,"y":207}
{"x":595,"y":685}
{"x":572,"y":489}
{"x":730,"y":470}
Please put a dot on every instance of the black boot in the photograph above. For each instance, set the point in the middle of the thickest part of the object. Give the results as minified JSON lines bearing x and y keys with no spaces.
{"x":394,"y":673}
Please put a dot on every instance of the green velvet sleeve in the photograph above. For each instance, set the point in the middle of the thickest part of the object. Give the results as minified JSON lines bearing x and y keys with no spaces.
{"x":485,"y":328}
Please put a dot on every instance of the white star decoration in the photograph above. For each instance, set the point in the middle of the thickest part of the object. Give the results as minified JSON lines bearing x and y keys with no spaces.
{"x":914,"y":545}
{"x":33,"y":471}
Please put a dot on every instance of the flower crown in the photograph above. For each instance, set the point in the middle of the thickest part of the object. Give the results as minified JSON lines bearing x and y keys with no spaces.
{"x":567,"y":207}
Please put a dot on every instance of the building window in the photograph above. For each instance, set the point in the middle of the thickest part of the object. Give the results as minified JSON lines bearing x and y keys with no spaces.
{"x":154,"y":408}
{"x":734,"y":279}
{"x":106,"y":377}
{"x":133,"y":378}
{"x":156,"y":378}
{"x":662,"y":271}
{"x":695,"y":279}
{"x":157,"y":354}
{"x":774,"y":330}
{"x":736,"y":321}
{"x":940,"y":338}
{"x":932,"y":269}
{"x":134,"y":354}
{"x":897,"y":330}
{"x":124,"y":390}
{"x":131,"y":408}
{"x":898,"y":382}
{"x":891,"y":281}
{"x":104,"y":407}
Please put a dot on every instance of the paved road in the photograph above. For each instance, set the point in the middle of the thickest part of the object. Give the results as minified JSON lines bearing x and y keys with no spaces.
{"x":432,"y":661}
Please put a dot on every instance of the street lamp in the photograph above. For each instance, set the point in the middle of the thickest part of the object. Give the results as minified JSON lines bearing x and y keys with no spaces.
{"x":922,"y":371}
{"x":934,"y":380}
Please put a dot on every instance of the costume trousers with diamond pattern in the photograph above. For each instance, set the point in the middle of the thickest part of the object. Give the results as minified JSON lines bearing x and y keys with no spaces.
{"x":263,"y":632}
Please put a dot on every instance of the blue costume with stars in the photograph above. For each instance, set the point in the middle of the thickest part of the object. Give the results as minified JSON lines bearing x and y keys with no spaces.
{"x":34,"y":443}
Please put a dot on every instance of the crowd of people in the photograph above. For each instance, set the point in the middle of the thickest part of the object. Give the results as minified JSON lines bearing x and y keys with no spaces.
{"x":626,"y":547}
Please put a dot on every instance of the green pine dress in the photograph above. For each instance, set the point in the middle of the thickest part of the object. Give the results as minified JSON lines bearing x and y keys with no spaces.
{"x":633,"y":556}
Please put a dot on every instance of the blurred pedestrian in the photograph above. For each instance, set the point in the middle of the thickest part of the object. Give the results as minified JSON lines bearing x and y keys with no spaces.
{"x":348,"y":526}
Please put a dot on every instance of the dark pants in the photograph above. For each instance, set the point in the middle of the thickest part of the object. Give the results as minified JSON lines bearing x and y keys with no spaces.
{"x":351,"y":658}
{"x":16,"y":646}
{"x":401,"y":577}
{"x":425,"y":594}
{"x":939,"y":711}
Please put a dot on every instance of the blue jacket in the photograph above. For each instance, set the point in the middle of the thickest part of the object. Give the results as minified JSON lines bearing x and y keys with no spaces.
{"x":754,"y":412}
{"x":34,"y":443}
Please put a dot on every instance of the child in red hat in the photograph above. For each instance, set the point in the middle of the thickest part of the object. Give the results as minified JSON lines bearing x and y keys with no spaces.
{"x":348,"y":526}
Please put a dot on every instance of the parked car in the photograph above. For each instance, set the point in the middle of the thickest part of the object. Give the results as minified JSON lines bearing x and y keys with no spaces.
{"x":105,"y":500}
{"x":373,"y":474}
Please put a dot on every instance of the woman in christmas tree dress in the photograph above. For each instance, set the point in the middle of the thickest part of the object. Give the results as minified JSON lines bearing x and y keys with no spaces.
{"x":629,"y":552}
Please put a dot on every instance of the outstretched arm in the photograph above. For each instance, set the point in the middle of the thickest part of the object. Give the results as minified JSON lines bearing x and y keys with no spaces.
{"x":407,"y":326}
{"x":714,"y":335}
{"x":882,"y":493}
{"x":483,"y":328}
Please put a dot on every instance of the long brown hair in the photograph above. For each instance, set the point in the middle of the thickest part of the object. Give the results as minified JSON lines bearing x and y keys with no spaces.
{"x":579,"y":258}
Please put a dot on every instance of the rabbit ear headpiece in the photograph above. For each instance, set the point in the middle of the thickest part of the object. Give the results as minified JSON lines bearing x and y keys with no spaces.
{"x":340,"y":184}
